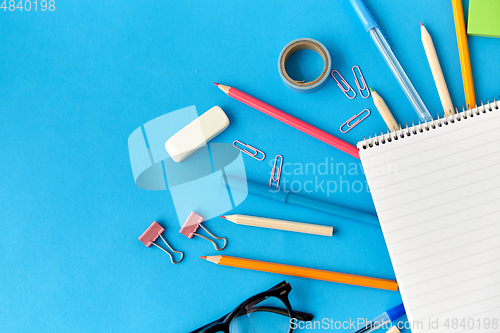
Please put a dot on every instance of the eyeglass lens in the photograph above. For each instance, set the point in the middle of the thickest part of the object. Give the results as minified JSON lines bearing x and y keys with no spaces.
{"x":262,"y":318}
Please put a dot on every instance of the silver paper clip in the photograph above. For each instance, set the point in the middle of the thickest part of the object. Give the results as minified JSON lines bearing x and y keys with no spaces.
{"x":347,"y":87}
{"x":365,"y":86}
{"x":348,"y":123}
{"x":249,"y":153}
{"x":276,"y":175}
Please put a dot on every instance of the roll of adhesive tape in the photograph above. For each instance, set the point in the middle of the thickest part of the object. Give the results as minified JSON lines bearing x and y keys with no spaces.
{"x":301,"y":44}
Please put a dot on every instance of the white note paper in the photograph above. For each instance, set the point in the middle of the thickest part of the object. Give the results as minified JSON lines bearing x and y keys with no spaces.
{"x":437,"y":196}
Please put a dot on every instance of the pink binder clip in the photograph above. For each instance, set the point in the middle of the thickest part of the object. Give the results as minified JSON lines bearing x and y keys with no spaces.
{"x":151,"y":234}
{"x":191,"y":225}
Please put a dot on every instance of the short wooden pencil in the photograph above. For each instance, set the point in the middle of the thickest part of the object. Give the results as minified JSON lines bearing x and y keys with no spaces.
{"x":308,"y":273}
{"x":393,"y":329}
{"x":384,"y":111}
{"x":262,"y":222}
{"x":437,"y":73}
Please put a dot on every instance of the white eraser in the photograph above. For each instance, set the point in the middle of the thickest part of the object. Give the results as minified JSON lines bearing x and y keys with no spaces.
{"x":196,"y":134}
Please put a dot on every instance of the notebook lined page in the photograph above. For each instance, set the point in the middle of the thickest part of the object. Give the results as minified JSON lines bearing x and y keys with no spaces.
{"x":437,"y":196}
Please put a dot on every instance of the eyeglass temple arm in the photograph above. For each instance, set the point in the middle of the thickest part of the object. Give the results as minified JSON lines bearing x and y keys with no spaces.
{"x":210,"y":324}
{"x":304,"y":316}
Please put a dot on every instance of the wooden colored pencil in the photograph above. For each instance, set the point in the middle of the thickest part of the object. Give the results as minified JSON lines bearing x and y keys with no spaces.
{"x":290,"y":120}
{"x":437,"y":73}
{"x":262,"y":222}
{"x":463,"y":50}
{"x":308,"y":273}
{"x":384,"y":111}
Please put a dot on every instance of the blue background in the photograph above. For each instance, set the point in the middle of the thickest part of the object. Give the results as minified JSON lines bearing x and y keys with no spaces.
{"x":77,"y":81}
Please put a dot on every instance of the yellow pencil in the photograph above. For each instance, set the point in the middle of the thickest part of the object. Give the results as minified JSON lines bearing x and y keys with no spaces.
{"x":308,"y":273}
{"x":437,"y":73}
{"x":463,"y":50}
{"x":384,"y":111}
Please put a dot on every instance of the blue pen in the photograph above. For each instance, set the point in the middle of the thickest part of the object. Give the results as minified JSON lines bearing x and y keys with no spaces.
{"x":296,"y":199}
{"x":372,"y":28}
{"x":387,"y":317}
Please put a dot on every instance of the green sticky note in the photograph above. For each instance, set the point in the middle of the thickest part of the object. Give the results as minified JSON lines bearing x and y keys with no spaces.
{"x":484,"y":18}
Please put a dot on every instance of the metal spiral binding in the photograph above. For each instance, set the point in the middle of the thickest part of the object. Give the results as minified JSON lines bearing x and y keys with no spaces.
{"x":430,"y":125}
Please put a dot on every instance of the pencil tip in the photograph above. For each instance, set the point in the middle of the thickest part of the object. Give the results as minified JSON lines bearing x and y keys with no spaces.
{"x":216,"y":84}
{"x":371,"y":89}
{"x":204,"y":257}
{"x":224,"y":217}
{"x":421,"y":24}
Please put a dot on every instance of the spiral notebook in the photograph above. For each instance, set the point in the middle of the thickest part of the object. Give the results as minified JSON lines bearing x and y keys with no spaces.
{"x":436,"y":188}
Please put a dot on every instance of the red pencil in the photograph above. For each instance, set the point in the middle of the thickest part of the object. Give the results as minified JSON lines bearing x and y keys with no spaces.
{"x":290,"y":120}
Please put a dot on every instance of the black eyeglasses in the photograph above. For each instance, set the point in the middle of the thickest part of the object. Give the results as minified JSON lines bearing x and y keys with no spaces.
{"x":267,"y":312}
